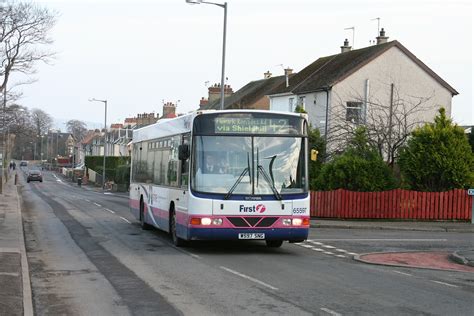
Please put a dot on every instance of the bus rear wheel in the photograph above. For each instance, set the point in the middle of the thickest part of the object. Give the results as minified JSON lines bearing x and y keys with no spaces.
{"x":178,"y":242}
{"x":274,"y":243}
{"x":143,"y":224}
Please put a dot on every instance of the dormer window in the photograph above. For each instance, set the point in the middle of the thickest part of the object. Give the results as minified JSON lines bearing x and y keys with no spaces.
{"x":354,"y":112}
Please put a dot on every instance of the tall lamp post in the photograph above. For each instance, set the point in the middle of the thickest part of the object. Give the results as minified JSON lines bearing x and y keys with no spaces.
{"x":105,"y":137}
{"x":224,"y":6}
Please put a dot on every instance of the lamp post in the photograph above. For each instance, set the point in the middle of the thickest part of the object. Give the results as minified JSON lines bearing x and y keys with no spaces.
{"x":224,"y":6}
{"x":105,"y":137}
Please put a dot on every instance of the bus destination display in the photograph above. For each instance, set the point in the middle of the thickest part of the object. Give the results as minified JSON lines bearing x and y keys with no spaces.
{"x":252,"y":125}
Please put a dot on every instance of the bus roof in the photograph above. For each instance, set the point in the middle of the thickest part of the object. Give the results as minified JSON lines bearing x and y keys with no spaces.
{"x":183,"y":124}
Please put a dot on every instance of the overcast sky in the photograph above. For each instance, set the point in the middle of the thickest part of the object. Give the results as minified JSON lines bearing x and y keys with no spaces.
{"x":137,"y":54}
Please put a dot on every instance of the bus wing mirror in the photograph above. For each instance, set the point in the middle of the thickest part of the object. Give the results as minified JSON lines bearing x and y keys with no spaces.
{"x":183,"y":152}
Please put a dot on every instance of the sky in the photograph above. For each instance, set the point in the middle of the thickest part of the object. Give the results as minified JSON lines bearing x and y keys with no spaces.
{"x":139,"y":54}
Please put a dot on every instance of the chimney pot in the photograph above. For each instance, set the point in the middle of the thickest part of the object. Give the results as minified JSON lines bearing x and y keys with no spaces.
{"x":346,"y":47}
{"x":267,"y":75}
{"x":381,"y":39}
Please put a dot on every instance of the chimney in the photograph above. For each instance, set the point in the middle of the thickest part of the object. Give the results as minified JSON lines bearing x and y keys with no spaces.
{"x":267,"y":75}
{"x":288,"y":72}
{"x":346,"y":47}
{"x":215,"y":92}
{"x":382,"y":38}
{"x":169,"y":109}
{"x":203,"y":102}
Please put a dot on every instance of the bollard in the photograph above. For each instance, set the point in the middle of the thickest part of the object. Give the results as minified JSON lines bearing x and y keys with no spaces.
{"x":16,"y":178}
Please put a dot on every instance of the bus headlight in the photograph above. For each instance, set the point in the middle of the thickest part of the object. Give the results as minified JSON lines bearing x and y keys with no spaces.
{"x":297,"y":221}
{"x":206,"y":221}
{"x":217,"y":221}
{"x":286,"y":221}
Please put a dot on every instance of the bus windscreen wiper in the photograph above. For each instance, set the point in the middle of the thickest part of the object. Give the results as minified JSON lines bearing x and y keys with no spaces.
{"x":242,"y":175}
{"x":267,"y":178}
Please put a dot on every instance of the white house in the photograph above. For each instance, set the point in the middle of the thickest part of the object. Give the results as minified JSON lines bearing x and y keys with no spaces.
{"x":343,"y":88}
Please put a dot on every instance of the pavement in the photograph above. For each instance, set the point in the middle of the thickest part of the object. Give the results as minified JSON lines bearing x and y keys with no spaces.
{"x":436,"y":226}
{"x":15,"y":289}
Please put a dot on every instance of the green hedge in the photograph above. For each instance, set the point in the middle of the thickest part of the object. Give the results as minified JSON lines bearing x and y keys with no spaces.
{"x":116,"y":168}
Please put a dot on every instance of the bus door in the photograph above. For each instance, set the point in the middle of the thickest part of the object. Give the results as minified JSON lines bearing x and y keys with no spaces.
{"x":182,"y":201}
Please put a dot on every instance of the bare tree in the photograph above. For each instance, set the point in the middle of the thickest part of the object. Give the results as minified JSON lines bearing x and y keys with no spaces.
{"x":42,"y":121}
{"x":24,"y":31}
{"x":77,"y":128}
{"x":389,"y":122}
{"x":17,"y":119}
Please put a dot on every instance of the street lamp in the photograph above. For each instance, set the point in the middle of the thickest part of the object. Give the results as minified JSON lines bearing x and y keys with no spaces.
{"x":105,"y":137}
{"x":223,"y":41}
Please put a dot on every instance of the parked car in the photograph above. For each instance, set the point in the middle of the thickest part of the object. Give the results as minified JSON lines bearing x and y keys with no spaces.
{"x":34,"y":175}
{"x":23,"y":163}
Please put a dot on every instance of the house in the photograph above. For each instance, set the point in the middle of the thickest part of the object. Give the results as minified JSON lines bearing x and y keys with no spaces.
{"x":360,"y":86}
{"x":254,"y":95}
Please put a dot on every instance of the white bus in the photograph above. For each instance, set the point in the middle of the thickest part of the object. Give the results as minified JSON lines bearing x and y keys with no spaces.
{"x":223,"y":175}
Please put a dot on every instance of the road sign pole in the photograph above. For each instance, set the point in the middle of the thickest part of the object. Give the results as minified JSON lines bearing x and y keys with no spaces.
{"x":471,"y":193}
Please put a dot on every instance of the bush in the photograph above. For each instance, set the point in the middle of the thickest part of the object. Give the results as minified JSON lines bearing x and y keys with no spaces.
{"x":470,"y":137}
{"x":94,"y":162}
{"x":359,"y":168}
{"x":122,"y":174}
{"x":438,"y":157}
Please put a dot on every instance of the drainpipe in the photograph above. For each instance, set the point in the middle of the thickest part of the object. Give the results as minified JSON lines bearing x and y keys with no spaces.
{"x":327,"y":118}
{"x":366,"y":101}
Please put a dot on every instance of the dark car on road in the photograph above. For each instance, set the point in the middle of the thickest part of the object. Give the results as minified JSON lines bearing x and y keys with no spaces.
{"x":34,"y":175}
{"x":23,"y":163}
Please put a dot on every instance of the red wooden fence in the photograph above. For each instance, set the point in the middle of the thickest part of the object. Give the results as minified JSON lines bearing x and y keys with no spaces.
{"x":394,"y":204}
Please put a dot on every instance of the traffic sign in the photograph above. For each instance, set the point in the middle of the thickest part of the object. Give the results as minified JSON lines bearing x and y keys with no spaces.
{"x":470,"y":192}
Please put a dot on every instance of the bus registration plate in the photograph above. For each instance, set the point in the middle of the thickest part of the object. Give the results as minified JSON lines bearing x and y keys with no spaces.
{"x":252,"y":236}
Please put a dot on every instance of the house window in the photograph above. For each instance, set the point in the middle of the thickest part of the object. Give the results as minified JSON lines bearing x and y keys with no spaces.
{"x":302,"y":102}
{"x":291,"y":104}
{"x":354,"y":112}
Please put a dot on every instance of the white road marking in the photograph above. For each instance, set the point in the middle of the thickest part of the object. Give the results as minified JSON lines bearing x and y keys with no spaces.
{"x":329,"y":247}
{"x":192,"y":254}
{"x":340,"y":250}
{"x":97,"y":204}
{"x":314,"y":242}
{"x":340,"y":256}
{"x":13,"y":274}
{"x":86,"y":200}
{"x":307,"y":246}
{"x":443,"y":283}
{"x":108,"y":193}
{"x":391,"y":239}
{"x":330,"y":312}
{"x":400,"y":272}
{"x":109,"y":210}
{"x":125,"y":219}
{"x":249,"y":278}
{"x":328,"y":252}
{"x":318,"y":249}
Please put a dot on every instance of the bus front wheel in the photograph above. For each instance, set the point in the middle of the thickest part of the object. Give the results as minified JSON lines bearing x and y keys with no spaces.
{"x":143,"y":224}
{"x":274,"y":243}
{"x":178,"y":242}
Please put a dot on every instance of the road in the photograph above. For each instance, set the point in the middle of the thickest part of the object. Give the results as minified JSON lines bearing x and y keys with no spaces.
{"x":88,"y":256}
